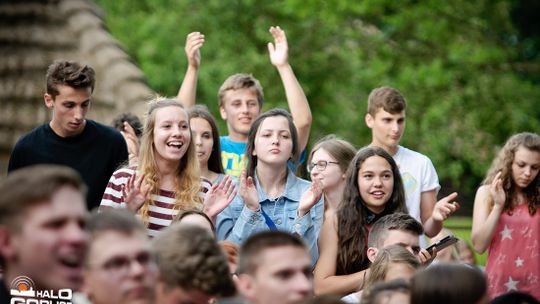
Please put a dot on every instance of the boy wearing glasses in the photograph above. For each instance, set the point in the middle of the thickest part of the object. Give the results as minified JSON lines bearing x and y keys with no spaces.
{"x":386,"y":119}
{"x":120,"y":267}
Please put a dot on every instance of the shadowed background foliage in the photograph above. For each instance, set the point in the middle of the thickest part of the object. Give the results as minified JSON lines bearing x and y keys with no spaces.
{"x":470,"y":70}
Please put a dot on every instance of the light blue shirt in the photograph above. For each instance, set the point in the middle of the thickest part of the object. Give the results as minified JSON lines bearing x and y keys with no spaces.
{"x":237,"y":222}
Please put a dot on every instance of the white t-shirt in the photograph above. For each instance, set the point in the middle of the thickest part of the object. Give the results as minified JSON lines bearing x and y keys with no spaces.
{"x":418,"y":175}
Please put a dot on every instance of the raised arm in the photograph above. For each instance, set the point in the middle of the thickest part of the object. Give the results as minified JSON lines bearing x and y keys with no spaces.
{"x":188,"y":89}
{"x":298,"y":103}
{"x":488,"y":206}
{"x":325,"y":278}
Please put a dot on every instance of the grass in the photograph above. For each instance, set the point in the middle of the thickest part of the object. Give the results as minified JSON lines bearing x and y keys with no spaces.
{"x":461,"y":227}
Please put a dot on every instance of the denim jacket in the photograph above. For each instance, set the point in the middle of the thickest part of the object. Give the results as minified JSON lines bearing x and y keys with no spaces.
{"x":237,"y":222}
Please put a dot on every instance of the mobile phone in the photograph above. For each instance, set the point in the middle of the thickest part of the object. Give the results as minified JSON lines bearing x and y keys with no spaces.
{"x":448,"y":240}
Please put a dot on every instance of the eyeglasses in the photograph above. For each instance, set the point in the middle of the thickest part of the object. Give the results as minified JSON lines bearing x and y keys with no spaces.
{"x":321,"y":165}
{"x":119,"y":266}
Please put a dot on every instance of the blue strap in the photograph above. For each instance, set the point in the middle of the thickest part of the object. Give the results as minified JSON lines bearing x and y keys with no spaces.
{"x":268,"y":220}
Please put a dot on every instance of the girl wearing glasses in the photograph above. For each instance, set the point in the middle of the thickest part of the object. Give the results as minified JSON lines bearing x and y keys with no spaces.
{"x":270,"y":196}
{"x":373,"y":190}
{"x":328,"y":163}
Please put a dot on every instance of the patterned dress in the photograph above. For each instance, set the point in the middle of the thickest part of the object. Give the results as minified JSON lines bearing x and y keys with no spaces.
{"x":513,"y":261}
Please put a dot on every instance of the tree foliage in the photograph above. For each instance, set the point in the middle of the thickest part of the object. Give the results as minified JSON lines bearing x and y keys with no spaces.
{"x":459,"y":64}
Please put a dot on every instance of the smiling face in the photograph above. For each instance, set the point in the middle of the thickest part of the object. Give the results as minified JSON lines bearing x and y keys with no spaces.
{"x":171,"y":134}
{"x":51,"y":245}
{"x":375,"y":182}
{"x":69,"y":110}
{"x":386,"y":129}
{"x":525,"y":166}
{"x":202,"y":138}
{"x":240,"y":108}
{"x":273,"y":142}
{"x":332,"y":176}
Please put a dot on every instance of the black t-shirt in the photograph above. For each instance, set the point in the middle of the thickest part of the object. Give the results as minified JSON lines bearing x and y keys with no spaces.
{"x":95,"y":153}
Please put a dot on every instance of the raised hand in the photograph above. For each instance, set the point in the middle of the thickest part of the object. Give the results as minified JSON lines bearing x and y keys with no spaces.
{"x":134,"y":192}
{"x":445,"y":207}
{"x":219,"y":197}
{"x":279,"y":51}
{"x":194,"y":42}
{"x":310,"y":197}
{"x":497,"y":192}
{"x":248,"y":192}
{"x":132,"y":142}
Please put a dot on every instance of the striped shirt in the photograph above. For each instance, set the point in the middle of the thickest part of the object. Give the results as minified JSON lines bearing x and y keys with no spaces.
{"x":160,"y":213}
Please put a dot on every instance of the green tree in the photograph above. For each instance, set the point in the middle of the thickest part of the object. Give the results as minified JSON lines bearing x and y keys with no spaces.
{"x":458,"y":64}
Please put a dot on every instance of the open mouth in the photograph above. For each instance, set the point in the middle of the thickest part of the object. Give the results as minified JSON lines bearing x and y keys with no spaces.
{"x":71,"y":261}
{"x":377,"y":194}
{"x":175,"y":144}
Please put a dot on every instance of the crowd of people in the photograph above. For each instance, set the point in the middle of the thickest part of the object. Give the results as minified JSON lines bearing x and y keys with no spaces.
{"x":170,"y":211}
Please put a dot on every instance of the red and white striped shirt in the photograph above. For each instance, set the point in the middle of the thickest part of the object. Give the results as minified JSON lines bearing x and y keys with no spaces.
{"x":160,"y":213}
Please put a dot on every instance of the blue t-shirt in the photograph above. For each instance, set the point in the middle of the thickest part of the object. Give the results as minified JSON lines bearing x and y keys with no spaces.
{"x":233,"y":156}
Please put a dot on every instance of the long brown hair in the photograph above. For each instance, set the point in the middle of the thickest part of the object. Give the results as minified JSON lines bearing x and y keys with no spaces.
{"x":352,"y":213}
{"x":252,"y":159}
{"x":214,"y":161}
{"x":188,"y":182}
{"x":503,"y":163}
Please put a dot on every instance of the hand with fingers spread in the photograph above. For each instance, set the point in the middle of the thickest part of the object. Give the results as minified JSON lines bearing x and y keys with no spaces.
{"x":279,"y":51}
{"x":134,"y":192}
{"x":194,"y":42}
{"x":219,"y":197}
{"x":497,"y":192}
{"x":310,"y":197}
{"x":445,"y":207}
{"x":248,"y":192}
{"x":132,"y":142}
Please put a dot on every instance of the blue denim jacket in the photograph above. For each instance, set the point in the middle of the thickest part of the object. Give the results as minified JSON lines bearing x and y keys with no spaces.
{"x":237,"y":222}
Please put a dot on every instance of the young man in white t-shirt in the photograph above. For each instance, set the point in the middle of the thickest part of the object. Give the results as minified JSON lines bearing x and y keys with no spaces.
{"x":386,"y":119}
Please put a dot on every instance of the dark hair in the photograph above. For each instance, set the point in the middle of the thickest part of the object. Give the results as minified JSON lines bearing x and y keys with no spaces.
{"x":387,"y":98}
{"x":69,"y":73}
{"x":131,"y":119}
{"x":352,"y":213}
{"x":252,"y":248}
{"x":190,"y":258}
{"x":31,"y":186}
{"x":196,"y":212}
{"x":448,"y":284}
{"x":252,"y":159}
{"x":515,"y":297}
{"x":395,"y":221}
{"x":214,"y":161}
{"x":379,"y":292}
